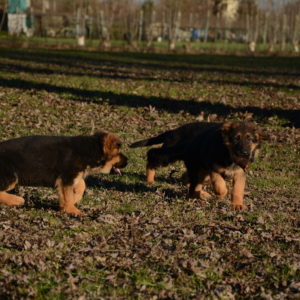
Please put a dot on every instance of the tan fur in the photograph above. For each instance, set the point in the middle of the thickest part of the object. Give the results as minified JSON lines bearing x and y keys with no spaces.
{"x":110,"y":145}
{"x":72,"y":194}
{"x":109,"y":164}
{"x":219,"y":184}
{"x":102,"y":151}
{"x":79,"y":189}
{"x":237,"y":195}
{"x":12,"y":185}
{"x":9,"y":199}
{"x":237,"y":170}
{"x":150,"y":173}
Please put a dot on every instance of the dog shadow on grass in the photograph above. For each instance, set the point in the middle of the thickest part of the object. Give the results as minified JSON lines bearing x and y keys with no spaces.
{"x":34,"y":200}
{"x":137,"y":187}
{"x":167,"y":193}
{"x":49,"y":202}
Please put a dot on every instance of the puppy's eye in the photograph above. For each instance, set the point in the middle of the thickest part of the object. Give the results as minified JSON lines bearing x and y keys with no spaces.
{"x":101,"y":162}
{"x":250,"y":138}
{"x":236,"y":138}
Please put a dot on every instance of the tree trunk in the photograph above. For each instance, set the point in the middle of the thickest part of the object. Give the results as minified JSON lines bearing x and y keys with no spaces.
{"x":296,"y":34}
{"x":150,"y":29}
{"x":217,"y":26}
{"x":174,"y":27}
{"x":207,"y":24}
{"x":4,"y":11}
{"x":265,"y":30}
{"x":80,"y":26}
{"x":274,"y":37}
{"x":283,"y":32}
{"x":105,"y":35}
{"x":141,"y":21}
{"x":248,"y":35}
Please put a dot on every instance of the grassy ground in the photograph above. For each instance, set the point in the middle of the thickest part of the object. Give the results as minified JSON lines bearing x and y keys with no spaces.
{"x":122,"y":45}
{"x":148,"y":241}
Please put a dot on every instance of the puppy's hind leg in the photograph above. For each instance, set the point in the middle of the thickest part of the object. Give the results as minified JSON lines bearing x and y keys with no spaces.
{"x":150,"y":174}
{"x":6,"y":198}
{"x":157,"y":158}
{"x":151,"y":165}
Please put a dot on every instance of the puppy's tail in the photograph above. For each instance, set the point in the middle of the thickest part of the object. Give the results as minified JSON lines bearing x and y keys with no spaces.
{"x":151,"y":141}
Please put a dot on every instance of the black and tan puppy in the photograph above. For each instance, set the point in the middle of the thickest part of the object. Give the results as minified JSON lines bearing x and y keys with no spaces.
{"x":57,"y":161}
{"x":223,"y":150}
{"x":178,"y":136}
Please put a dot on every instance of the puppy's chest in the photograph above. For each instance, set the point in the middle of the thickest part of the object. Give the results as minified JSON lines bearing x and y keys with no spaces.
{"x":226,"y":172}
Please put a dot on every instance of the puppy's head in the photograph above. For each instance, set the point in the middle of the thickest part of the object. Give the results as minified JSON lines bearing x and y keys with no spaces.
{"x":112,"y":156}
{"x":243,"y":141}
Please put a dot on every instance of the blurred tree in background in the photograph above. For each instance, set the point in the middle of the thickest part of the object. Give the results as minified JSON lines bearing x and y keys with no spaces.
{"x":271,"y":22}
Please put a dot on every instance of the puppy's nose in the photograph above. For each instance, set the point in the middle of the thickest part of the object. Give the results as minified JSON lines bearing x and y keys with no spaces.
{"x":244,"y":153}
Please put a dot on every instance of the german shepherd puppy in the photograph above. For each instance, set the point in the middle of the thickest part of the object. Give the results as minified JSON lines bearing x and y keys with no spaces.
{"x":171,"y":138}
{"x":57,"y":161}
{"x":224,"y":149}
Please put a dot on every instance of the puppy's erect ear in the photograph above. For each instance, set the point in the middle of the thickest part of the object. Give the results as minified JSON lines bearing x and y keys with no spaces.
{"x":226,"y":126}
{"x":111,"y":144}
{"x":225,"y":129}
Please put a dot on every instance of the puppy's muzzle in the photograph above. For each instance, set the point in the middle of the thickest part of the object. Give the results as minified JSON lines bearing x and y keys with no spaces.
{"x":243,"y":153}
{"x":119,"y":165}
{"x":122,"y":163}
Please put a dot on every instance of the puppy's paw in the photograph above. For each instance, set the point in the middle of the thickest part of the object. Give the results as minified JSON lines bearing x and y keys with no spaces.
{"x":205,"y":195}
{"x":238,"y":206}
{"x":150,"y":180}
{"x":200,"y":195}
{"x":221,"y":195}
{"x":72,"y":211}
{"x":12,"y":200}
{"x":17,"y":201}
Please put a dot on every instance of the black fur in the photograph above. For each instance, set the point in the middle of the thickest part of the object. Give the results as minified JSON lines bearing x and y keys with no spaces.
{"x":175,"y":136}
{"x":205,"y":151}
{"x":40,"y":160}
{"x":224,"y":149}
{"x":173,"y":144}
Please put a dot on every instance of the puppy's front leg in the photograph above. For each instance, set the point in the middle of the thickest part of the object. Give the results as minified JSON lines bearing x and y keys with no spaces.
{"x":237,"y":195}
{"x":67,"y":198}
{"x":79,"y":189}
{"x":196,"y":185}
{"x":219,"y":184}
{"x":69,"y":201}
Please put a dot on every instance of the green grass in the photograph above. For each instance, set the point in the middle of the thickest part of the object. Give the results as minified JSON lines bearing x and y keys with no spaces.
{"x":137,"y":240}
{"x":217,"y":46}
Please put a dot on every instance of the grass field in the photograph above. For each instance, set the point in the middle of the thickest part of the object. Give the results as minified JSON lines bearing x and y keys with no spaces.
{"x":144,"y":241}
{"x":224,"y":47}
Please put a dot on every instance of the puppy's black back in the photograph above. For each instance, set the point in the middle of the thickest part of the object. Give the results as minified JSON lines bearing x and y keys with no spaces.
{"x":40,"y":160}
{"x":207,"y":149}
{"x":175,"y":136}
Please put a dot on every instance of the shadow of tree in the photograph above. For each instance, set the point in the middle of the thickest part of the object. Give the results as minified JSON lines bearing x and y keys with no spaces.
{"x":117,"y":74}
{"x":165,"y":104}
{"x":248,"y":65}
